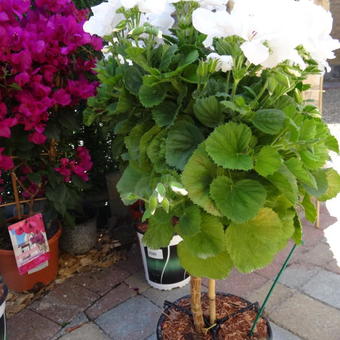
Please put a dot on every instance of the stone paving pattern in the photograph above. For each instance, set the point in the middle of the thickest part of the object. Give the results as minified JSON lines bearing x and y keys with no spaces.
{"x":117,"y":303}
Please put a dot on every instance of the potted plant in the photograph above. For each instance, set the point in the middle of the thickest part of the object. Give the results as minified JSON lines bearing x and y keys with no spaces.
{"x":3,"y":296}
{"x":208,"y":113}
{"x":46,"y":72}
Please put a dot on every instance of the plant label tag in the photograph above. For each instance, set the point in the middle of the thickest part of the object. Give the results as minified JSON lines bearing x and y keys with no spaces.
{"x":30,"y":244}
{"x":155,"y":253}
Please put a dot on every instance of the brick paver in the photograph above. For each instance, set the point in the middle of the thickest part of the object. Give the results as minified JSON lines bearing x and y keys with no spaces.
{"x":65,"y":302}
{"x":136,"y":319}
{"x":325,"y":286}
{"x":110,"y":300}
{"x":308,"y":318}
{"x":88,"y":331}
{"x":137,"y":282}
{"x":297,"y":275}
{"x":282,"y":334}
{"x":30,"y":325}
{"x":102,"y":280}
{"x":279,"y":295}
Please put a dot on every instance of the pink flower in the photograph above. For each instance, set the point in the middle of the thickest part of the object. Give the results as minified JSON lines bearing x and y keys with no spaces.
{"x":6,"y":162}
{"x":61,"y":97}
{"x":37,"y":138}
{"x":22,"y":78}
{"x":5,"y":126}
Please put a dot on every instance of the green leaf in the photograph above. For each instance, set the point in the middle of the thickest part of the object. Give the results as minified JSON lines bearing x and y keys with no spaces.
{"x":297,"y":169}
{"x":145,"y":141}
{"x":209,"y":241}
{"x":321,"y":184}
{"x":309,"y":207}
{"x":267,"y":161}
{"x":151,"y":96}
{"x":333,"y":188}
{"x":156,"y":152}
{"x":132,"y":141}
{"x":160,"y":230}
{"x":134,"y":184}
{"x":167,"y":56}
{"x":332,"y":144}
{"x":270,"y":121}
{"x":297,"y":236}
{"x":208,"y":111}
{"x":197,"y":177}
{"x":183,"y":139}
{"x":228,"y":146}
{"x":253,"y":245}
{"x":190,"y":222}
{"x":188,"y":59}
{"x":217,"y":267}
{"x":136,"y":55}
{"x":89,"y":116}
{"x":165,"y":113}
{"x":133,"y":78}
{"x":315,"y":156}
{"x":286,"y":183}
{"x":238,"y":201}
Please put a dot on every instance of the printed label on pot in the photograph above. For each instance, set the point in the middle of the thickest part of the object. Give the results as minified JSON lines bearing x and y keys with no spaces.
{"x":155,"y":253}
{"x":30,"y":244}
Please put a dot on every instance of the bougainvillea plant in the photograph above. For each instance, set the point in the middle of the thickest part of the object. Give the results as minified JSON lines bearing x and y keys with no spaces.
{"x":46,"y":62}
{"x":211,"y":126}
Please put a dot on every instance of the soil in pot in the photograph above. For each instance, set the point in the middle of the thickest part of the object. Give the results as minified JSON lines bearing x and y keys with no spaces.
{"x":177,"y":325}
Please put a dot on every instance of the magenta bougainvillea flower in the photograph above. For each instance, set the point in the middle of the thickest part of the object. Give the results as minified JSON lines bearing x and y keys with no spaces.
{"x":45,"y":64}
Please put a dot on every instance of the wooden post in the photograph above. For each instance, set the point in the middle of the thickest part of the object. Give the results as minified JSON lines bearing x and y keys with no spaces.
{"x":196,"y":304}
{"x":212,"y":301}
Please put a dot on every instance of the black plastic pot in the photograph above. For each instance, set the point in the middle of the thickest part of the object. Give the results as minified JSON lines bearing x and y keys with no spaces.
{"x":164,"y":315}
{"x":2,"y":310}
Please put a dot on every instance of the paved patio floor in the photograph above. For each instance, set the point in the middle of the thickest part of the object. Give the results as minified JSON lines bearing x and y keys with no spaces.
{"x":116,"y":303}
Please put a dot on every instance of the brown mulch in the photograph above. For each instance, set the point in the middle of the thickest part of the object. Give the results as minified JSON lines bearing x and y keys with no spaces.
{"x":106,"y":253}
{"x":179,"y":326}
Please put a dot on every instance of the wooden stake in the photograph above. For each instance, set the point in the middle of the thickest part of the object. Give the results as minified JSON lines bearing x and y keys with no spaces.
{"x":196,"y":305}
{"x":212,"y":301}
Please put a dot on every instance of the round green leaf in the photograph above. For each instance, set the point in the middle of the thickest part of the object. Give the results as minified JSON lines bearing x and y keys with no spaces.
{"x":270,"y":121}
{"x":209,"y":241}
{"x":267,"y":161}
{"x":252,"y":245}
{"x":165,"y":113}
{"x":151,"y":96}
{"x":333,"y":189}
{"x":197,"y":177}
{"x":238,"y":201}
{"x":228,"y":146}
{"x":296,"y":167}
{"x":182,"y":140}
{"x":160,"y":230}
{"x":217,"y":267}
{"x":190,"y":222}
{"x":208,"y":111}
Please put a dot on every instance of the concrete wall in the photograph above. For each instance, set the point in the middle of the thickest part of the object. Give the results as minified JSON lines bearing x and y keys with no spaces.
{"x":335,"y":8}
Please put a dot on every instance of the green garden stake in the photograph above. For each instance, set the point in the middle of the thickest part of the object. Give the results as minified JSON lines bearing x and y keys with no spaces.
{"x":259,"y":313}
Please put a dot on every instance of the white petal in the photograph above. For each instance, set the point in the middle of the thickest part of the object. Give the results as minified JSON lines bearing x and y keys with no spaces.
{"x":129,"y":3}
{"x":255,"y":51}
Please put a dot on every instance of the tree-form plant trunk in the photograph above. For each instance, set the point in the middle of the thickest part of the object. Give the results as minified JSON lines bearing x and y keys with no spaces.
{"x":196,"y":304}
{"x":212,"y":301}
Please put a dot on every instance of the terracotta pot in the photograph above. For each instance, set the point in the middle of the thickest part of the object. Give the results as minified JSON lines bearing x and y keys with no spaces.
{"x":19,"y":283}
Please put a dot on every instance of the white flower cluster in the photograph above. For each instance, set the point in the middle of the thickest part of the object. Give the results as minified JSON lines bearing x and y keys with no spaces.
{"x":272,"y":29}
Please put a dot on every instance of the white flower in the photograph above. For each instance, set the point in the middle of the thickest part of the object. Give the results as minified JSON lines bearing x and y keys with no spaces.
{"x":129,"y":3}
{"x":255,"y":51}
{"x":224,"y":62}
{"x":104,"y":18}
{"x":163,"y":21}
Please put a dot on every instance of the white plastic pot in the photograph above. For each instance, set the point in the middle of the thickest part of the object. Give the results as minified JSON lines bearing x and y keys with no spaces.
{"x":2,"y":313}
{"x":162,"y":267}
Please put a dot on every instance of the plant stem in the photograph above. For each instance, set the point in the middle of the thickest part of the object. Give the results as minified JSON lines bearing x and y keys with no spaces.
{"x":212,"y":301}
{"x":196,"y":305}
